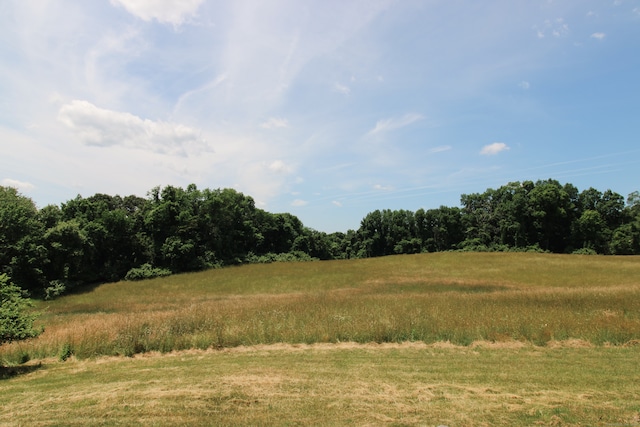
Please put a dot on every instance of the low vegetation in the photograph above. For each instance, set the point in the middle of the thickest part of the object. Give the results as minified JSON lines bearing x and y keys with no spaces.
{"x":454,"y":297}
{"x":430,"y":339}
{"x":333,"y":385}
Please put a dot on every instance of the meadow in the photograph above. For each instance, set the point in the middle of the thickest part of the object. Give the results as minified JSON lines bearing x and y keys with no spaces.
{"x":446,"y":338}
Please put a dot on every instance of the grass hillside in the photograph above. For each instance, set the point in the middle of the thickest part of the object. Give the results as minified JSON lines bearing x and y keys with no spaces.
{"x":455,"y":297}
{"x":434,"y":339}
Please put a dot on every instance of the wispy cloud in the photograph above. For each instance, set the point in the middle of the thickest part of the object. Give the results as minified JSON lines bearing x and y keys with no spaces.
{"x":343,"y":89}
{"x":555,"y":28}
{"x":19,"y":185}
{"x":275,"y":123}
{"x":440,"y":149}
{"x":167,"y":12}
{"x":390,"y":124}
{"x":299,"y":203}
{"x":524,"y":85}
{"x":493,"y":149}
{"x":380,"y":187}
{"x":103,"y":128}
{"x":599,"y":36}
{"x":278,"y":166}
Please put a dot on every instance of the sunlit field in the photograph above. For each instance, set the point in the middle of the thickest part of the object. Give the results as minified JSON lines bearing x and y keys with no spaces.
{"x":432,"y":339}
{"x":450,"y":297}
{"x":334,"y":385}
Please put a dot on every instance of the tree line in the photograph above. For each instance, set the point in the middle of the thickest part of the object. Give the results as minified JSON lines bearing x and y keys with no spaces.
{"x":102,"y":238}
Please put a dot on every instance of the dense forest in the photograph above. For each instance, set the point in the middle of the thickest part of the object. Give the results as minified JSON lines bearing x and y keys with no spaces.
{"x":102,"y":238}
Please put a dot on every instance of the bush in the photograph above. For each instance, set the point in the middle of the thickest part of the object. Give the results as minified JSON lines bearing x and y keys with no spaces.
{"x":55,"y":289}
{"x":146,"y":271}
{"x":585,"y":251}
{"x":15,"y":323}
{"x":282,"y":257}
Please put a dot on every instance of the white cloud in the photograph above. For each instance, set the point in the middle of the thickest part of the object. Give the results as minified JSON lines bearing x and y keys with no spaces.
{"x":342,"y":89}
{"x":598,"y":36}
{"x":103,"y":128}
{"x":440,"y":149}
{"x":380,"y":187}
{"x":299,"y":203}
{"x":395,"y":123}
{"x":336,"y":203}
{"x":493,"y":149}
{"x":556,"y":28}
{"x":524,"y":85}
{"x":275,"y":123}
{"x":19,"y":185}
{"x":165,"y":11}
{"x":278,"y":166}
{"x":561,"y":29}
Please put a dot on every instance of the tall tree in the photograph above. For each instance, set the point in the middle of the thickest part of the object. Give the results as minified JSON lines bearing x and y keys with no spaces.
{"x":22,"y":254}
{"x":550,"y":210}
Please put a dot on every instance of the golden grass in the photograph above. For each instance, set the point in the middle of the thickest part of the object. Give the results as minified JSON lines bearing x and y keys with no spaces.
{"x":455,"y":297}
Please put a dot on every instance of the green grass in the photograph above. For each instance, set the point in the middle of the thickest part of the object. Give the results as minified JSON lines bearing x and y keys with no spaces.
{"x":371,"y":384}
{"x":450,"y":338}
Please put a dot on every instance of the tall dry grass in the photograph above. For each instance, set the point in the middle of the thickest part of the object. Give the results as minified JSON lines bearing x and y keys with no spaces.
{"x":455,"y":297}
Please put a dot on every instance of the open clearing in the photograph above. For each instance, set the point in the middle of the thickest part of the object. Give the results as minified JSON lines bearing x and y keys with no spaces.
{"x":435,"y":339}
{"x":335,"y":384}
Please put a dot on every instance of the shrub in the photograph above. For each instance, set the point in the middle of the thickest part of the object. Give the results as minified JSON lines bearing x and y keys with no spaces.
{"x":65,"y":352}
{"x":55,"y":289}
{"x":282,"y":257}
{"x":584,"y":251}
{"x":146,"y":271}
{"x":15,"y":323}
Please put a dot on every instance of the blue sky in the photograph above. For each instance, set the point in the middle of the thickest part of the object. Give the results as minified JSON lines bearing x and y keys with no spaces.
{"x":324,"y":109}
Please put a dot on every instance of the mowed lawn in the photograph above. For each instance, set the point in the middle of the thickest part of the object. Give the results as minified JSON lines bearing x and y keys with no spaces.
{"x":430,"y":339}
{"x":334,"y":384}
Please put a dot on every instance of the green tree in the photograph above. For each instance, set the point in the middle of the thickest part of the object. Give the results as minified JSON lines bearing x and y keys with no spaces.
{"x":478,"y":220}
{"x":21,"y":252}
{"x":67,"y":247}
{"x":15,"y":323}
{"x":592,"y":231}
{"x":110,"y":225}
{"x":550,"y":208}
{"x":439,"y":229}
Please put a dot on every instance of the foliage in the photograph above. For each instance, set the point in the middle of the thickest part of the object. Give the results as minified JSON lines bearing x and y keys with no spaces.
{"x":15,"y":323}
{"x":146,"y":271}
{"x":284,"y":257}
{"x":22,"y":255}
{"x":55,"y":289}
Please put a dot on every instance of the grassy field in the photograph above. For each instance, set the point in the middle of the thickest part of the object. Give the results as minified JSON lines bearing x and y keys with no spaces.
{"x":450,"y":338}
{"x":334,"y":384}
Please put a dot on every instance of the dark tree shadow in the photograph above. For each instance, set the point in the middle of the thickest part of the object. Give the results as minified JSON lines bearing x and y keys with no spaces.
{"x":7,"y":372}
